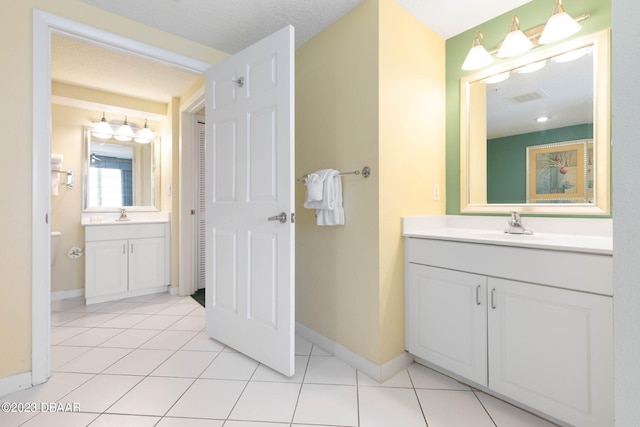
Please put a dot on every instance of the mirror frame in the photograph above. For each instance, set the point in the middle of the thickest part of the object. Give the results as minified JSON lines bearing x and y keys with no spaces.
{"x":473,"y":171}
{"x":85,"y":179}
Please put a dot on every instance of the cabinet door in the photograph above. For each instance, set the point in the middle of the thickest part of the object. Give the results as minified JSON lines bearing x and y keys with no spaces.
{"x":106,"y":267}
{"x":146,"y":263}
{"x":552,"y":349}
{"x":447,"y":320}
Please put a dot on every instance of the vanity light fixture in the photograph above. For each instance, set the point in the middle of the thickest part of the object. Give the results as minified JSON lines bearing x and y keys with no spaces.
{"x":478,"y":56}
{"x":516,"y":42}
{"x":559,"y":26}
{"x":144,"y":135}
{"x":103,"y":129}
{"x":124,"y":133}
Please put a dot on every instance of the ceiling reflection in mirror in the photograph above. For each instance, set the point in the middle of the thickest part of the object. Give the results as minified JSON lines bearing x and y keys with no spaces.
{"x":560,"y":90}
{"x":119,"y":174}
{"x":548,"y":98}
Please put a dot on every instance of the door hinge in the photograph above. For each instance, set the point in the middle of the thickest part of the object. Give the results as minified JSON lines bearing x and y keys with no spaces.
{"x":293,"y":217}
{"x":193,"y":211}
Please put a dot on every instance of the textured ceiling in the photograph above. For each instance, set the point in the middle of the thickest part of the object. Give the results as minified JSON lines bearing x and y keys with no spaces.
{"x":230,"y":26}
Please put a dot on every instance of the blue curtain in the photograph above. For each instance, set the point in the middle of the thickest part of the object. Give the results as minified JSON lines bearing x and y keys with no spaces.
{"x":127,"y":188}
{"x":126,"y":169}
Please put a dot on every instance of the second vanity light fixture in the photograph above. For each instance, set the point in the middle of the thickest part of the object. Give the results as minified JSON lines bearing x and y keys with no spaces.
{"x":559,"y":26}
{"x":125,"y":132}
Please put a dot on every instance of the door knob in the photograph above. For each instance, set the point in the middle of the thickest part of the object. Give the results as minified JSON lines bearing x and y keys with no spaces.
{"x":282,"y":217}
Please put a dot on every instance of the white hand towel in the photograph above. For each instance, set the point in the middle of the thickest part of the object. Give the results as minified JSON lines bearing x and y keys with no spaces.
{"x":56,"y":165}
{"x":56,"y":159}
{"x":323,"y":200}
{"x":335,"y":214}
{"x":314,"y":188}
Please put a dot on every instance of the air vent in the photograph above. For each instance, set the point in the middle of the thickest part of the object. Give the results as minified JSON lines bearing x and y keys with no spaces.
{"x":526,"y":97}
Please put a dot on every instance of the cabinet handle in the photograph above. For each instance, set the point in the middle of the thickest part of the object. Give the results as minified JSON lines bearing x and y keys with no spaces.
{"x":493,"y":298}
{"x":478,"y":295}
{"x":132,"y":248}
{"x":124,"y":249}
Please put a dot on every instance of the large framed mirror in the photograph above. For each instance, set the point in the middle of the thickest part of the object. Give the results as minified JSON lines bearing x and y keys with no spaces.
{"x":119,"y":174}
{"x":535,"y":132}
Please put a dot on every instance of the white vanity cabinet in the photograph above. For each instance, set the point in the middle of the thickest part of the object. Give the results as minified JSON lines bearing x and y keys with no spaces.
{"x":552,"y":349}
{"x":514,"y":322}
{"x":447,"y":319}
{"x":125,"y":260}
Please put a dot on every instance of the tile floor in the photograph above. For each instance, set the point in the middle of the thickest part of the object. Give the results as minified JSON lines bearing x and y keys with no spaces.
{"x":146,"y":361}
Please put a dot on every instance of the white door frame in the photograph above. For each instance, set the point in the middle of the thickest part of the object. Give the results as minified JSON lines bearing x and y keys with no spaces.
{"x":43,"y":24}
{"x":188,"y":194}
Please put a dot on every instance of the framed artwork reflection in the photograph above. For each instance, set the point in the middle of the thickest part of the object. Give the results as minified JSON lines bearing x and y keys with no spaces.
{"x":561,"y":172}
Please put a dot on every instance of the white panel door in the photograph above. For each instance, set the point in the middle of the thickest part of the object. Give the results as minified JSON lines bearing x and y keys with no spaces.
{"x":448,"y":318}
{"x":552,"y":349}
{"x":250,"y":259}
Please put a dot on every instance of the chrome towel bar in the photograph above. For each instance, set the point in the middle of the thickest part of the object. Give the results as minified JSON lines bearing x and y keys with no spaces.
{"x":365,"y":172}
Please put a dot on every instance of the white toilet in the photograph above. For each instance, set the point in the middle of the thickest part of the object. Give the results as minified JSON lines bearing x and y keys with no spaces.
{"x":55,"y":243}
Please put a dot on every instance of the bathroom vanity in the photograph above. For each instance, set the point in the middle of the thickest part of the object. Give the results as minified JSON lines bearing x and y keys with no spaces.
{"x":125,"y":259}
{"x":526,"y":318}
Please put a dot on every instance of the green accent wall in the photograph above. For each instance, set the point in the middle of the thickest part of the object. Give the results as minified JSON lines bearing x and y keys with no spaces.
{"x":531,"y":15}
{"x":507,"y":160}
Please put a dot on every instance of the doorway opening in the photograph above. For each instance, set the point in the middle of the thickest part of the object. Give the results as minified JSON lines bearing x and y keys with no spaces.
{"x":43,"y":25}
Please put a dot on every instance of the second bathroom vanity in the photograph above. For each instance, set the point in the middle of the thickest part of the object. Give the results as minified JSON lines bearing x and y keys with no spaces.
{"x":126,"y":258}
{"x":528,"y":318}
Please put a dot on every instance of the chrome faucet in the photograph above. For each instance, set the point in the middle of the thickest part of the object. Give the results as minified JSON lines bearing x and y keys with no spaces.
{"x":516,"y":226}
{"x":123,"y":215}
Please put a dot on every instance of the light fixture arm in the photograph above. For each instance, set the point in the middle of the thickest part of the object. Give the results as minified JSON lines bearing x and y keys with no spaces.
{"x":557,"y":8}
{"x":478,"y":39}
{"x":515,"y":24}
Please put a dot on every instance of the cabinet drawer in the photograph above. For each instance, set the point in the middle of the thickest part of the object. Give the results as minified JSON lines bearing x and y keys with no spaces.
{"x":568,"y":270}
{"x":124,"y":231}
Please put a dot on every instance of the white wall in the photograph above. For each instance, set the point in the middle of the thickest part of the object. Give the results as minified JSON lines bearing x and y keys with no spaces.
{"x":626,"y":209}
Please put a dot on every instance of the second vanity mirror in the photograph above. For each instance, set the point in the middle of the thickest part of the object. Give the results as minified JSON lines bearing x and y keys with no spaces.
{"x":535,"y":132}
{"x":119,"y":174}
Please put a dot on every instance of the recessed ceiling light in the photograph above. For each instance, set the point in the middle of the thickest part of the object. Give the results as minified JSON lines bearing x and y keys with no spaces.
{"x":542,"y":119}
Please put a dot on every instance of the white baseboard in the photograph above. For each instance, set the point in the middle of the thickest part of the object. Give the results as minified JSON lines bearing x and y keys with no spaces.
{"x":15,"y":383}
{"x":380,"y":373}
{"x":67,"y":294}
{"x":127,"y":294}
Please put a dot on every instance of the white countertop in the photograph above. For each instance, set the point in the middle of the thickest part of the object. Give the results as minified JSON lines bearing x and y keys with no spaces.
{"x":563,"y":234}
{"x":135,"y":217}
